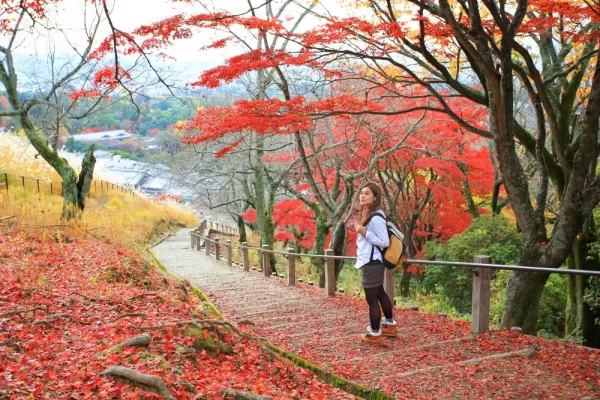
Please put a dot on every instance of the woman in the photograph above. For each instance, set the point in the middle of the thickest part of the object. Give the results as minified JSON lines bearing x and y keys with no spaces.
{"x":371,"y":237}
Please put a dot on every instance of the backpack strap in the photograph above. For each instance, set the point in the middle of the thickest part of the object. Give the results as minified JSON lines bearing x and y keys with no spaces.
{"x":380,"y":215}
{"x":375,"y":214}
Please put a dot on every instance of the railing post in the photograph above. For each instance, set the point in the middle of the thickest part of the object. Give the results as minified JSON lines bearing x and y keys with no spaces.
{"x":388,"y":283}
{"x":329,"y":273}
{"x":480,"y":313}
{"x":266,"y":259}
{"x":291,"y":267}
{"x":207,"y":245}
{"x":245,"y":259}
{"x":193,"y":240}
{"x":198,"y":241}
{"x":217,"y":249}
{"x":229,"y":252}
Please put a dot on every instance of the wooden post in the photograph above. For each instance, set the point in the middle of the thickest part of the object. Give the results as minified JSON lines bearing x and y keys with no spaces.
{"x":198,"y":241}
{"x":266,"y":259}
{"x":480,"y":313}
{"x":229,"y":252}
{"x":207,"y":245}
{"x":388,"y":284}
{"x":217,"y":249}
{"x":245,"y":259}
{"x":193,"y":240}
{"x":291,"y":267}
{"x":329,"y":273}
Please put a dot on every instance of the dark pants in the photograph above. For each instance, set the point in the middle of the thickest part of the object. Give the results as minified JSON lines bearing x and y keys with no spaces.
{"x":375,"y":297}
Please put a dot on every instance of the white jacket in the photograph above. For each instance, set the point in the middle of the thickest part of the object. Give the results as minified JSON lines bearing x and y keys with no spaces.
{"x":376,"y":235}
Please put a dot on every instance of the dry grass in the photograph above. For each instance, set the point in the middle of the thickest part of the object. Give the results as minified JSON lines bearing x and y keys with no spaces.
{"x":130,"y":220}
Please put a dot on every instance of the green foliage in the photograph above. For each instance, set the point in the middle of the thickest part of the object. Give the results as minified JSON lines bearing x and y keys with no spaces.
{"x":490,"y":235}
{"x":160,"y":158}
{"x":156,"y":113}
{"x":74,"y":146}
{"x":551,"y":318}
{"x":125,"y":154}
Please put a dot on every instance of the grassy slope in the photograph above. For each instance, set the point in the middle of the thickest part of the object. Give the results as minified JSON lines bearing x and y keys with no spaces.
{"x":70,"y":292}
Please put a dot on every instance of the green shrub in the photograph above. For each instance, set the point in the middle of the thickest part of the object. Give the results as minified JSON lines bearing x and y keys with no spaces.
{"x":490,"y":235}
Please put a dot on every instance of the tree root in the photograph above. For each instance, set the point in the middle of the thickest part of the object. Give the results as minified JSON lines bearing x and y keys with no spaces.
{"x":139,"y":296}
{"x":132,"y":377}
{"x":55,"y":316}
{"x":232,"y":394}
{"x":142,"y":340}
{"x":197,"y":323}
{"x":528,"y":352}
{"x":20,"y":313}
{"x":132,"y":314}
{"x":89,"y":298}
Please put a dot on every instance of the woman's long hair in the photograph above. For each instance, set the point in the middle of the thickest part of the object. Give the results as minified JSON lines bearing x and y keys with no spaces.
{"x":366,"y":211}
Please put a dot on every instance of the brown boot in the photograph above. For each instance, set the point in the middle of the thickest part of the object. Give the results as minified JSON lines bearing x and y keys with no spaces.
{"x":370,"y":339}
{"x":389,"y":330}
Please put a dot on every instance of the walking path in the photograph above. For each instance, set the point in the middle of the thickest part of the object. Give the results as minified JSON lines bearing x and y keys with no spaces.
{"x":433,"y":356}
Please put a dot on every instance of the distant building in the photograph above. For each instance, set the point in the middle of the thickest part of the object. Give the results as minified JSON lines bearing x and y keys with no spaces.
{"x":107,"y":137}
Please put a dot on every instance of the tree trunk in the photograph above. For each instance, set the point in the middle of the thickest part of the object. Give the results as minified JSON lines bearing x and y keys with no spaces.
{"x":268,"y":238}
{"x":571,"y":308}
{"x":405,"y":282}
{"x":338,"y":245}
{"x":85,"y":177}
{"x":242,"y":228}
{"x":580,"y":318}
{"x":523,"y":300}
{"x":74,"y":190}
{"x":523,"y":293}
{"x":321,"y":231}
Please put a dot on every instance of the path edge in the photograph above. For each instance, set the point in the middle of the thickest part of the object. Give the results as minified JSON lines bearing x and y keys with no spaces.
{"x":346,"y":385}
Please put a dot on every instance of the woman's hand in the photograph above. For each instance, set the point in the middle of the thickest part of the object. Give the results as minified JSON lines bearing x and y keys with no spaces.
{"x":361,"y":230}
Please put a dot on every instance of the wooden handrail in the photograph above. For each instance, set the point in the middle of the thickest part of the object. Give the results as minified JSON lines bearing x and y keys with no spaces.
{"x":481,"y":269}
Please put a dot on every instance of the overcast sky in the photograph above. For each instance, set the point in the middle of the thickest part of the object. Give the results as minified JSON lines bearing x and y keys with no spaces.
{"x":127,"y":15}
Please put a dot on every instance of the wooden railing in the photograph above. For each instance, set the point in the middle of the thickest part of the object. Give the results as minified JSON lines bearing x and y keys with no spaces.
{"x":216,"y":227}
{"x":481,"y":269}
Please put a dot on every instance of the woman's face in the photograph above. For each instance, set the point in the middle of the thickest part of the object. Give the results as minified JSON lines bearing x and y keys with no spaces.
{"x":366,"y":197}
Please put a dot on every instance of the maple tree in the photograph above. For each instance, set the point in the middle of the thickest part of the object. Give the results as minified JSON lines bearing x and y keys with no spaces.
{"x":453,"y":52}
{"x":75,"y":87}
{"x":476,"y":50}
{"x":322,"y":150}
{"x":431,"y":187}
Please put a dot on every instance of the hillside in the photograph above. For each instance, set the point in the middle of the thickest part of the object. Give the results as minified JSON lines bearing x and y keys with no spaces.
{"x":72,"y":293}
{"x":66,"y":305}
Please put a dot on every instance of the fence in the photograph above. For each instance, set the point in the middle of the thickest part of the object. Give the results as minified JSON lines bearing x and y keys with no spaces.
{"x":44,"y":187}
{"x":481,"y":268}
{"x":219,"y":228}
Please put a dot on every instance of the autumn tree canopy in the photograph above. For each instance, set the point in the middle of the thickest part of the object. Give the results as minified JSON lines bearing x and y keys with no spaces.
{"x":530,"y":65}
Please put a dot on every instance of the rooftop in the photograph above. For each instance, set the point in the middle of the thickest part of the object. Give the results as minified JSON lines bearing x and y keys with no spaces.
{"x":100,"y":136}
